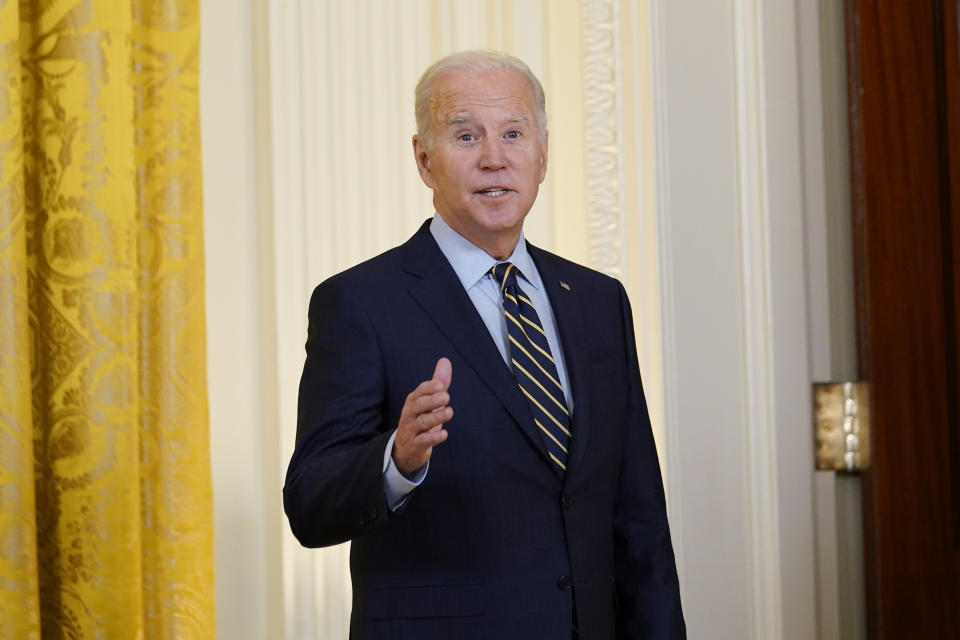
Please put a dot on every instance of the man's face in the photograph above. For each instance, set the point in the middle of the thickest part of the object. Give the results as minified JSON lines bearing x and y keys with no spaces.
{"x":488,"y":157}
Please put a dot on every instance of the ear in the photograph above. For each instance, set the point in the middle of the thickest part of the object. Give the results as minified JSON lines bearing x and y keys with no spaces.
{"x":422,"y":157}
{"x":543,"y":157}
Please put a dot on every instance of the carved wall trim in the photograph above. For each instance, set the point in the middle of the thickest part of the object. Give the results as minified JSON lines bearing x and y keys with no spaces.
{"x":601,"y":85}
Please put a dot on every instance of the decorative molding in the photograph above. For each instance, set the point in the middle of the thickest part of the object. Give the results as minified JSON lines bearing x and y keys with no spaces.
{"x":671,"y":385}
{"x":601,"y":84}
{"x":757,"y":327}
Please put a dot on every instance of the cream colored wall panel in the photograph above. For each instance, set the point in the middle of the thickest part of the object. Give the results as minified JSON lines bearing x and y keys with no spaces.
{"x":500,"y":34}
{"x":524,"y":25}
{"x":563,"y":83}
{"x":283,"y":260}
{"x":641,"y":256}
{"x":318,"y":167}
{"x":413,"y":56}
{"x":621,"y":214}
{"x":373,"y":197}
{"x":467,"y":25}
{"x":226,"y":101}
{"x":348,"y":206}
{"x":381,"y":124}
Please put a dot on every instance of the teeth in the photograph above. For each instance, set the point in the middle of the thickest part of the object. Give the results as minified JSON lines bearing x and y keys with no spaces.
{"x":494,"y":192}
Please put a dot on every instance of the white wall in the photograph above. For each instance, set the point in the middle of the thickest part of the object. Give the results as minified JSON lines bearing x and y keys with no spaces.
{"x":727,"y":137}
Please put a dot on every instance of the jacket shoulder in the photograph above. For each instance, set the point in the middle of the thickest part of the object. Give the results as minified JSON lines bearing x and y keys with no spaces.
{"x":371,"y":270}
{"x":572,"y":272}
{"x":379,"y":271}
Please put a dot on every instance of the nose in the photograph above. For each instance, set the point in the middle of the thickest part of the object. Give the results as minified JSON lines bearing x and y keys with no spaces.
{"x":492,"y":156}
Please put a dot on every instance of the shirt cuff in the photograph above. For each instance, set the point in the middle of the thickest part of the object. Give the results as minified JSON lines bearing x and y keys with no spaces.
{"x":396,"y":486}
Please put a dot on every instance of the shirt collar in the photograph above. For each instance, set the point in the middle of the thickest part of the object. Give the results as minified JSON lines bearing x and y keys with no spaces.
{"x":471,"y":263}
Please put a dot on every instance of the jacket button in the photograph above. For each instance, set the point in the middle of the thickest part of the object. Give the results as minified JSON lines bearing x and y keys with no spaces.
{"x":564,"y":583}
{"x":567,"y":502}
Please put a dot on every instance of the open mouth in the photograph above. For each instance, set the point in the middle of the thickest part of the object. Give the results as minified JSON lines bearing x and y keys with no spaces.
{"x":495,"y":192}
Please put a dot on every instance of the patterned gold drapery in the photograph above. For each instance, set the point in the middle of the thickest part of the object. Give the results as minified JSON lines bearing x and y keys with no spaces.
{"x":105,"y":496}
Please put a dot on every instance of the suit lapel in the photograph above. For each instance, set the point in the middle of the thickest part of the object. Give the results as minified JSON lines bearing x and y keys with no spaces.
{"x":568,"y":312}
{"x":438,"y":291}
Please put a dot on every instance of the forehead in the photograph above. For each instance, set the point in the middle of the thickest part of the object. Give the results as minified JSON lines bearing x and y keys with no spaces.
{"x":504,"y":93}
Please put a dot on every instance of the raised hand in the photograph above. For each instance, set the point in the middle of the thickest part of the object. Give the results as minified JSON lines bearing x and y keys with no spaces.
{"x":421,"y":420}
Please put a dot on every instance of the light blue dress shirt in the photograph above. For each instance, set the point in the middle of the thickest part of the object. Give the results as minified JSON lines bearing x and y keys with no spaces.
{"x":472,"y":266}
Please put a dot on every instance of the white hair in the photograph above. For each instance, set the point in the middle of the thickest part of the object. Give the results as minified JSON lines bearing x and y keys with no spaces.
{"x":475,"y":61}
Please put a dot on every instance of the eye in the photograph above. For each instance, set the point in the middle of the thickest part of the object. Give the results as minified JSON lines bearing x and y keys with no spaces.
{"x":513,"y":134}
{"x":465,"y":137}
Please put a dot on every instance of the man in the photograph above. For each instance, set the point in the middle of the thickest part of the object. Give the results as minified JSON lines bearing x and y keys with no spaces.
{"x":471,"y":412}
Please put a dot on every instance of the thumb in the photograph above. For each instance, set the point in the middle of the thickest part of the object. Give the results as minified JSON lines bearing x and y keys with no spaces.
{"x":443,"y":371}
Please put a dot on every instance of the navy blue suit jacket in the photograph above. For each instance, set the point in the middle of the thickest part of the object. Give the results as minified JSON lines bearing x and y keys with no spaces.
{"x":493,"y":544}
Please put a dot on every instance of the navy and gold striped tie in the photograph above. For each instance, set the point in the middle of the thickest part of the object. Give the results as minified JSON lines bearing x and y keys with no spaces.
{"x":533,"y":365}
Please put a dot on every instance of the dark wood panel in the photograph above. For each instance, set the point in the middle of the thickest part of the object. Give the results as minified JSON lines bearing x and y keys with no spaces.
{"x":949,"y":118}
{"x":903,"y":112}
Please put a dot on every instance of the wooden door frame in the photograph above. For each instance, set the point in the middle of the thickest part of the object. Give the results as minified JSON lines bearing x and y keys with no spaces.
{"x":904,"y":177}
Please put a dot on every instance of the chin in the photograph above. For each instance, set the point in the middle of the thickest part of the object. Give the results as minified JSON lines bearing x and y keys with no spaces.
{"x":506,"y":218}
{"x":501,"y":225}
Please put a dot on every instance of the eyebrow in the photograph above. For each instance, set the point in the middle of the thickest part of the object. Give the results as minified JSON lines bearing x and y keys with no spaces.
{"x":462,"y":119}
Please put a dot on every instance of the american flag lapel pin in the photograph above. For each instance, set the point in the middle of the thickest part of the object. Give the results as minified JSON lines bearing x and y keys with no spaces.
{"x":565,"y":285}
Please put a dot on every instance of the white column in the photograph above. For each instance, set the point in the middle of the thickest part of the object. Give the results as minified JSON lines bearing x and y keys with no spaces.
{"x":730,"y":192}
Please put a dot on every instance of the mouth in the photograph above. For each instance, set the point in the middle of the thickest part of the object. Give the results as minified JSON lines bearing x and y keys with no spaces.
{"x":493,"y":192}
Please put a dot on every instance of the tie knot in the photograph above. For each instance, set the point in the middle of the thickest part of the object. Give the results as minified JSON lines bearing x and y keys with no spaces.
{"x":505,"y":273}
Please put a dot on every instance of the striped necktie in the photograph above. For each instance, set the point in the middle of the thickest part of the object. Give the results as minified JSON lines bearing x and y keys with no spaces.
{"x":533,"y":366}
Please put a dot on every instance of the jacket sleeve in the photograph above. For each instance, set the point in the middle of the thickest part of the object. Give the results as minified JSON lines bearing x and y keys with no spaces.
{"x":334,"y":485}
{"x":647,"y":589}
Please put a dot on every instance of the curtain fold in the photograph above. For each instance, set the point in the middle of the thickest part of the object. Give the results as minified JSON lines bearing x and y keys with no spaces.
{"x":105,"y":495}
{"x":19,"y":599}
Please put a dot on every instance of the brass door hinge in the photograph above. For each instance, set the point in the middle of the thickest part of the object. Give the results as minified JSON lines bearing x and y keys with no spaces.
{"x":842,"y":425}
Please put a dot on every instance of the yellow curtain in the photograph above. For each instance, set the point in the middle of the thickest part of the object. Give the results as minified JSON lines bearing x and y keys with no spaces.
{"x":105,"y":496}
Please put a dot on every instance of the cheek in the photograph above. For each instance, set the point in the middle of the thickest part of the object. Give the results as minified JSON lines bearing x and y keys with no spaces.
{"x":529,"y":165}
{"x":541,"y":173}
{"x":458,"y":177}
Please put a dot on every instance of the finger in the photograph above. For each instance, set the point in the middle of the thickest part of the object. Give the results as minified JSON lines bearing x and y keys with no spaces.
{"x":429,"y":439}
{"x":423,"y":404}
{"x":425,"y":388}
{"x":428,"y":421}
{"x":428,"y":403}
{"x":410,"y":427}
{"x":443,"y":372}
{"x":422,"y":397}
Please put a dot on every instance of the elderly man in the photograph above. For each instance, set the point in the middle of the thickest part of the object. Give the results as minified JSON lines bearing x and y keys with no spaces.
{"x":471,"y":412}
